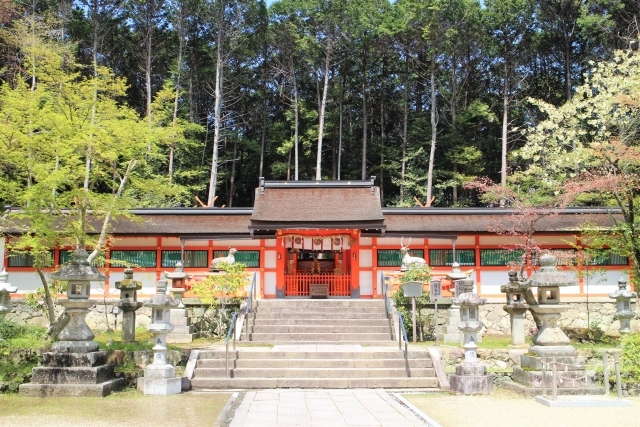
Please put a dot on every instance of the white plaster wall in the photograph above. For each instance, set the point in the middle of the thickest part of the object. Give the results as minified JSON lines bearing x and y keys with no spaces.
{"x":26,"y":281}
{"x":269,"y":283}
{"x":366,"y":258}
{"x":269,"y":259}
{"x":461,"y":240}
{"x":554,"y":240}
{"x":136,"y":241}
{"x":499,"y":240}
{"x":148,"y":279}
{"x":366,"y":283}
{"x":490,"y":281}
{"x":603,"y":282}
{"x":393,"y":241}
{"x":270,"y":243}
{"x":366,"y":241}
{"x":225,"y":244}
{"x":175,"y":241}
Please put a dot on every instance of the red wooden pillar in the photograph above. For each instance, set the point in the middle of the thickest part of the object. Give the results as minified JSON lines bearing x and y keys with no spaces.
{"x":355,"y":265}
{"x":375,"y":274}
{"x":281,"y":262}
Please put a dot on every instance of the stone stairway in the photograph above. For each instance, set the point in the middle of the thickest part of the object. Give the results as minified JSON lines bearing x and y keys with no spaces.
{"x":316,"y":344}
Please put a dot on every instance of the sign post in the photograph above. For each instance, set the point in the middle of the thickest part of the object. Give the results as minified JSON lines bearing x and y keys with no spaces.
{"x":435,"y":288}
{"x":413,"y":290}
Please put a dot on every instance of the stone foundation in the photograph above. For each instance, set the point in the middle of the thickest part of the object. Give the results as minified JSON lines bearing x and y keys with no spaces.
{"x":495,"y":319}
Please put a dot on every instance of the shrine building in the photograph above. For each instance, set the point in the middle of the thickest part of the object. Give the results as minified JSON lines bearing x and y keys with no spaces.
{"x":336,"y":233}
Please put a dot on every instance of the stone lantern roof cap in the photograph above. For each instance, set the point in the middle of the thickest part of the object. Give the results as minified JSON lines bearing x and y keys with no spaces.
{"x":161,"y":299}
{"x":456,"y":273}
{"x":4,"y":283}
{"x":549,"y":276}
{"x":178,"y":273}
{"x":514,"y":285}
{"x":470,"y":298}
{"x":128,"y":282}
{"x":79,"y":269}
{"x":622,"y":291}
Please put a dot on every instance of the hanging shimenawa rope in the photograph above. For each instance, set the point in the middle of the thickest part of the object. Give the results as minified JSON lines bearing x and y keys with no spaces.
{"x":350,"y":239}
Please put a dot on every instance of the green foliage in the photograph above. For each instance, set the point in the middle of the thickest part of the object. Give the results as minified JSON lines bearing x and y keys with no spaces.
{"x":19,"y":346}
{"x":219,"y":287}
{"x":403,"y":304}
{"x":591,"y":335}
{"x":35,"y":299}
{"x":631,"y":357}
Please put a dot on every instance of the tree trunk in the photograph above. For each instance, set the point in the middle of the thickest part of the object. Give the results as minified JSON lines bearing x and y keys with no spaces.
{"x":404,"y":127}
{"x":364,"y":121}
{"x":505,"y":123}
{"x":177,"y":96}
{"x":233,"y":172}
{"x":434,"y":125}
{"x":48,"y":300}
{"x":323,"y":106}
{"x":147,"y":71}
{"x":340,"y":127}
{"x":567,"y":67}
{"x":296,"y":111}
{"x":217,"y":116}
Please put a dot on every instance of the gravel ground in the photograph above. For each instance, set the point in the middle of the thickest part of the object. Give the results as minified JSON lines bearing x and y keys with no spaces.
{"x":508,"y":409}
{"x":129,"y":408}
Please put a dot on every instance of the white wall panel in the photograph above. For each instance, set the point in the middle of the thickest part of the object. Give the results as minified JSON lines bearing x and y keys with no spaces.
{"x":226,"y":244}
{"x":270,"y":283}
{"x":366,"y":258}
{"x":554,"y":240}
{"x":461,"y":240}
{"x":603,"y":282}
{"x":499,"y":240}
{"x":490,"y":281}
{"x":270,"y":243}
{"x":121,"y":242}
{"x":26,"y":281}
{"x":366,"y":241}
{"x":393,"y":241}
{"x":269,"y":259}
{"x":366,"y":283}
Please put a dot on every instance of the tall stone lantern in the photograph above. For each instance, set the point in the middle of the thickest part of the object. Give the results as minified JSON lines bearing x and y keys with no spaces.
{"x":516,"y":307}
{"x":549,"y":280}
{"x":471,"y":376}
{"x":160,"y":376}
{"x":5,"y":290}
{"x":75,"y":367}
{"x":183,"y":330}
{"x":450,"y":332}
{"x":128,"y":304}
{"x":623,"y":298}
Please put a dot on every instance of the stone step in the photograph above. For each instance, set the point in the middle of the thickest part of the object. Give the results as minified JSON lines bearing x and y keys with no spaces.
{"x":327,"y":329}
{"x":319,"y":315}
{"x":182,"y":338}
{"x":77,"y":375}
{"x":180,"y":321}
{"x":72,"y":390}
{"x":266,"y":383}
{"x":313,"y":337}
{"x":562,"y":391}
{"x":364,"y":343}
{"x":261,"y":321}
{"x":308,"y":310}
{"x":313,"y":372}
{"x":315,"y":363}
{"x":260,"y":354}
{"x":342,"y":303}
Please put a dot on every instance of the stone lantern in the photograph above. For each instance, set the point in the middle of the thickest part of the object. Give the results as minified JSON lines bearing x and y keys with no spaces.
{"x":75,"y":367}
{"x":551,"y":344}
{"x":128,"y":304}
{"x":5,"y":290}
{"x":549,"y":280}
{"x":516,"y":307}
{"x":160,"y":376}
{"x":623,"y":298}
{"x":471,"y":376}
{"x":450,"y":332}
{"x":183,"y":330}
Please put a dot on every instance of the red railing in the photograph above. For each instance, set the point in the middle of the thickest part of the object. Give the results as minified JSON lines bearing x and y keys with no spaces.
{"x":297,"y":284}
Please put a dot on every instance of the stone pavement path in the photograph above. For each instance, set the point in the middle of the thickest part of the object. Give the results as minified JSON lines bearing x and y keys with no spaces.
{"x":320,"y":408}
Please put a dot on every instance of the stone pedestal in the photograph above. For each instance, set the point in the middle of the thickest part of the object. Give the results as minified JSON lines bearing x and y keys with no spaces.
{"x":572,"y":377}
{"x":449,"y":331}
{"x":75,"y":367}
{"x":183,"y":331}
{"x":517,"y":326}
{"x":160,"y":376}
{"x":471,"y":378}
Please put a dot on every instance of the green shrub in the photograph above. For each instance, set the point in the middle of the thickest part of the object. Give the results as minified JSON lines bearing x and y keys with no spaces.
{"x":591,"y":335}
{"x":403,"y":304}
{"x":9,"y":330}
{"x":631,"y":357}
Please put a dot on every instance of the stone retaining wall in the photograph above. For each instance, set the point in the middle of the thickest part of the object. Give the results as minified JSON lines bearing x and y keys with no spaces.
{"x":495,"y":319}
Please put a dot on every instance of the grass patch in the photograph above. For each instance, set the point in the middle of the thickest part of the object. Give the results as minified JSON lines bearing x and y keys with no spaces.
{"x":112,"y":340}
{"x":493,"y":342}
{"x":19,"y":352}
